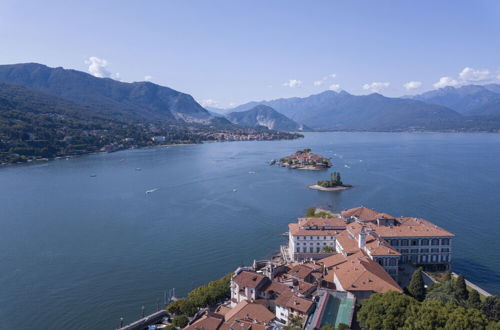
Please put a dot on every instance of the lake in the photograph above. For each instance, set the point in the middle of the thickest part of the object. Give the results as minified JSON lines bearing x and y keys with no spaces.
{"x":80,"y":251}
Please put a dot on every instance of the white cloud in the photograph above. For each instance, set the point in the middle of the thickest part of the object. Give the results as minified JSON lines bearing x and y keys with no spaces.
{"x":292,"y":83}
{"x":334,"y":87}
{"x":472,"y":75}
{"x":97,"y":67}
{"x":148,"y":78}
{"x":445,"y":81}
{"x":376,"y":86}
{"x":412,"y":85}
{"x":318,"y":83}
{"x":332,"y":76}
{"x":209,"y":103}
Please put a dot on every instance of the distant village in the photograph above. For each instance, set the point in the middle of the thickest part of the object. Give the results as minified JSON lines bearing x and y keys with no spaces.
{"x":305,"y":160}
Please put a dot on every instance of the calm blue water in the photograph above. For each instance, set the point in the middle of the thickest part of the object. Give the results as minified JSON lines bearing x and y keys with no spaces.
{"x":80,"y":252}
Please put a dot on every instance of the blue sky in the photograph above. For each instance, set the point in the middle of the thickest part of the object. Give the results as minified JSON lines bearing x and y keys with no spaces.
{"x":229,"y":52}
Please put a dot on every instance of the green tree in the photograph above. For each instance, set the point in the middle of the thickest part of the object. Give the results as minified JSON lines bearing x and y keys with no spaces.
{"x":438,"y":315}
{"x":444,"y":293}
{"x":180,"y":321}
{"x":491,"y":308}
{"x":461,"y":288}
{"x":416,"y":288}
{"x":474,"y":300}
{"x":328,"y":249}
{"x":310,"y":213}
{"x":343,"y":326}
{"x":385,"y":311}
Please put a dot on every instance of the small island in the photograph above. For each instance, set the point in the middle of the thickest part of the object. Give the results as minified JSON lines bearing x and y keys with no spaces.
{"x":334,"y":184}
{"x":305,"y":160}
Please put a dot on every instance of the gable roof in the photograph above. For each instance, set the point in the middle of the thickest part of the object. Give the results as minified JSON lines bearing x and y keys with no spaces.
{"x":365,"y":214}
{"x":411,"y":227}
{"x":290,"y":300}
{"x":209,"y":321}
{"x":300,"y":271}
{"x":360,"y":273}
{"x":245,"y":310}
{"x":249,"y":279}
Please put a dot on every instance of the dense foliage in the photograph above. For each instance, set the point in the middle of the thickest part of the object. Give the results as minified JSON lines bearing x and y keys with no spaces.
{"x":444,"y":307}
{"x":203,"y":296}
{"x":334,"y":181}
{"x":416,"y":288}
{"x":35,"y":125}
{"x":180,"y":321}
{"x":385,"y":311}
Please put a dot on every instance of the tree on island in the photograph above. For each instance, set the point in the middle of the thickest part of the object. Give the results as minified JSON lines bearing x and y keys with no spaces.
{"x":461,"y":288}
{"x":335,"y":180}
{"x":474,"y":300}
{"x":416,"y":288}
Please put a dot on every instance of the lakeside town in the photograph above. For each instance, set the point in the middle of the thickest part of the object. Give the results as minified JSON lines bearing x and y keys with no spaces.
{"x":336,"y":272}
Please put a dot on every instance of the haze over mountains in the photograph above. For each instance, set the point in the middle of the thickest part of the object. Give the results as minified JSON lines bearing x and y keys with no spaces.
{"x":262,"y":115}
{"x":469,"y":108}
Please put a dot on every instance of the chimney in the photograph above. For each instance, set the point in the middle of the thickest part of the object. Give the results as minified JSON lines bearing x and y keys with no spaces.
{"x":361,"y":239}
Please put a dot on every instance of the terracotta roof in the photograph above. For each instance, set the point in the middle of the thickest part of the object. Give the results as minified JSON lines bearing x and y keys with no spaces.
{"x":249,"y":279}
{"x":242,"y":325}
{"x":365,"y":214}
{"x":276,"y":287}
{"x":360,"y":273}
{"x":290,"y":300}
{"x":333,"y":260}
{"x":302,"y":287}
{"x":348,"y":244}
{"x":209,"y":321}
{"x":322,"y":222}
{"x":377,"y":246}
{"x":245,"y":310}
{"x":411,"y":227}
{"x":296,"y":230}
{"x":300,"y":271}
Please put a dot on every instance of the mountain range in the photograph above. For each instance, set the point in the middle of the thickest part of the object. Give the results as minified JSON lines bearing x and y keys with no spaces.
{"x":138,"y":100}
{"x":53,"y":112}
{"x":467,"y":108}
{"x":263,"y":115}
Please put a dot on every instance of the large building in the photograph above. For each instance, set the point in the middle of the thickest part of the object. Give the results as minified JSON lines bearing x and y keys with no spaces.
{"x":386,"y":239}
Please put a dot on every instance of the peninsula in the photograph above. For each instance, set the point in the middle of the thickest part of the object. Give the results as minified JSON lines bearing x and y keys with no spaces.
{"x":334,"y":184}
{"x":305,"y":160}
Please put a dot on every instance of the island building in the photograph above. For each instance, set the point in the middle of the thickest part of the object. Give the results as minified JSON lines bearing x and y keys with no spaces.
{"x":386,"y":239}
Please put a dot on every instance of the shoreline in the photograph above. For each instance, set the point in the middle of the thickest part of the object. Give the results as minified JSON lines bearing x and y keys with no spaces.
{"x":338,"y":188}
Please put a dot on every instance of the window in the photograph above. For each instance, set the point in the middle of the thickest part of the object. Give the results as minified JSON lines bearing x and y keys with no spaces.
{"x":317,"y":249}
{"x":298,"y":249}
{"x":424,"y":250}
{"x":404,"y":251}
{"x":414,"y":242}
{"x":311,"y":249}
{"x":423,"y":258}
{"x":414,"y":250}
{"x":392,"y":262}
{"x":394,"y":242}
{"x":434,"y":250}
{"x":433,"y":258}
{"x":317,"y":243}
{"x":425,"y":242}
{"x":445,"y":241}
{"x":435,"y":241}
{"x":404,"y":242}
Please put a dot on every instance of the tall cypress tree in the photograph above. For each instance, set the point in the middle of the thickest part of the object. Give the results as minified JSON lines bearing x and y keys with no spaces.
{"x":417,"y":287}
{"x":461,"y":288}
{"x":474,"y":300}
